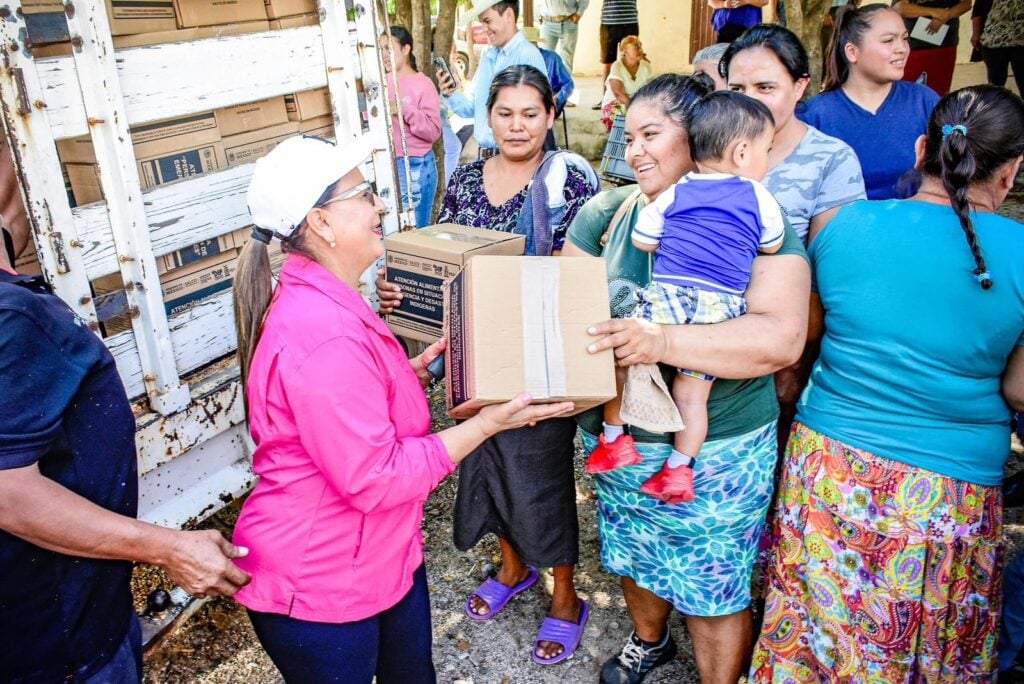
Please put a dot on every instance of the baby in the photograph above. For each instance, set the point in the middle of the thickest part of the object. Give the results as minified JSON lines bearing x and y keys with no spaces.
{"x":705,"y":232}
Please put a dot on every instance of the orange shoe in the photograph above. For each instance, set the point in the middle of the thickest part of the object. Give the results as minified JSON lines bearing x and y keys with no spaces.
{"x":671,"y":485}
{"x":606,"y":457}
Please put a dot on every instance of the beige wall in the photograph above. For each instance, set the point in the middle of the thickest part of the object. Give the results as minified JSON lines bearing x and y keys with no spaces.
{"x":664,"y":30}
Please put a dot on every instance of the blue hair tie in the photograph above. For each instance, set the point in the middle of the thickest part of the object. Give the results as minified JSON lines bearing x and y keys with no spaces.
{"x":982,"y":277}
{"x":949,"y":128}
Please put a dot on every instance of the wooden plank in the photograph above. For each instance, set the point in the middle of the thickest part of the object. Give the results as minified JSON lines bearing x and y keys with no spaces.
{"x":174,"y":79}
{"x":27,"y":128}
{"x":119,"y":178}
{"x":179,"y":214}
{"x":199,"y":335}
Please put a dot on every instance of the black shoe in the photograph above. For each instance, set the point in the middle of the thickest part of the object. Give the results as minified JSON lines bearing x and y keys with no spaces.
{"x":596,"y":107}
{"x":635,"y":660}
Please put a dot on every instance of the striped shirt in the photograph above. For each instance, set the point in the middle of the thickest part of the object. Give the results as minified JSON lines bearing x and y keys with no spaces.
{"x":619,"y":12}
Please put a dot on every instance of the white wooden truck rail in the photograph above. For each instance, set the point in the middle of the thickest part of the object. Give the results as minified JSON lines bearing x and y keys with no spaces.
{"x":193,"y":449}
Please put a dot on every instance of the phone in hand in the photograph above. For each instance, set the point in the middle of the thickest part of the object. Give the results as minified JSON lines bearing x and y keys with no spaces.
{"x":442,"y":67}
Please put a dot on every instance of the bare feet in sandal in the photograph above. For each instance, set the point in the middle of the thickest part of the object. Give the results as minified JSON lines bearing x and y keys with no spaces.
{"x":566,"y":608}
{"x":508,"y":575}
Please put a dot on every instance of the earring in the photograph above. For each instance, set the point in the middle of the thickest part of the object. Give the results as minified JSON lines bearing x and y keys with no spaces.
{"x":333,"y":244}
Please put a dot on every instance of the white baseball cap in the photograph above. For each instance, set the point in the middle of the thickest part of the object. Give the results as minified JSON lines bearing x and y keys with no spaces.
{"x":286,"y":183}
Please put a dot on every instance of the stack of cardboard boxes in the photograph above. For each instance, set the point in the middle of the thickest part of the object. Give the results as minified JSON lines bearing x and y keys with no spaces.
{"x":185,"y":146}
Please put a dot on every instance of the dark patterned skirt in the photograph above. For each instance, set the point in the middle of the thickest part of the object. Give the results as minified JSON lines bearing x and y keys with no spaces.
{"x":519,"y":485}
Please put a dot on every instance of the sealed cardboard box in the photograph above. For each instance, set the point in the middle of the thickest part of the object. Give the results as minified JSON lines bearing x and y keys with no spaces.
{"x":420,"y":261}
{"x":42,"y":6}
{"x":294,"y":22}
{"x":190,"y":34}
{"x":519,"y":324}
{"x":140,"y":16}
{"x":203,"y":250}
{"x":251,"y":116}
{"x":250,"y":146}
{"x":286,"y":8}
{"x":212,"y":12}
{"x":165,"y":150}
{"x":85,"y":183}
{"x":321,"y":127}
{"x":309,"y":104}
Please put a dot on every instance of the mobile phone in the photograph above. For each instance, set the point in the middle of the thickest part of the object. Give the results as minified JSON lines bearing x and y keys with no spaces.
{"x":435,"y":369}
{"x":442,"y":66}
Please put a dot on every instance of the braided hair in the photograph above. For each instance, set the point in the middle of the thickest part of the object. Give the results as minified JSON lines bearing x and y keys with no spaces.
{"x":972,"y":133}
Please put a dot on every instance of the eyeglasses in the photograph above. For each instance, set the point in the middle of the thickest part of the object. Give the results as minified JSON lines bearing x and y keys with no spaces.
{"x":364,"y":190}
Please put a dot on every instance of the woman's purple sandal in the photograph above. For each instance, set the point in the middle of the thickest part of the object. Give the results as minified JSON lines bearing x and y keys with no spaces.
{"x":496,"y":595}
{"x":567,"y":634}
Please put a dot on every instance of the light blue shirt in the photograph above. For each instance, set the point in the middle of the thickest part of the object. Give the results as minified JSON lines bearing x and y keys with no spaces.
{"x":914,"y":348}
{"x":494,"y":60}
{"x":563,"y":8}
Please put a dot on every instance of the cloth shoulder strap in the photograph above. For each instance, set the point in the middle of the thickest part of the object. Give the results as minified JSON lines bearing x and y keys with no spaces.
{"x":617,"y":217}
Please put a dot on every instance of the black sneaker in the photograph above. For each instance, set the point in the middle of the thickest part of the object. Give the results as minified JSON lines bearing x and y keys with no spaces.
{"x":635,"y":660}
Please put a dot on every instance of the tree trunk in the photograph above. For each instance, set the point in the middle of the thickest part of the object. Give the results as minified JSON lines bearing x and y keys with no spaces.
{"x":403,"y":13}
{"x":444,"y":38}
{"x":422,"y":35}
{"x":805,"y":18}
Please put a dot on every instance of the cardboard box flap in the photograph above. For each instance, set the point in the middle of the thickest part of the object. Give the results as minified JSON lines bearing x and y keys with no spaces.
{"x":519,"y":324}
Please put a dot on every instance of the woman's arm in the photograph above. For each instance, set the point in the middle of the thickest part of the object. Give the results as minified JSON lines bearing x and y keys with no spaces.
{"x":909,"y":10}
{"x":768,"y":337}
{"x":424,"y":119}
{"x":1013,"y":380}
{"x":618,"y":90}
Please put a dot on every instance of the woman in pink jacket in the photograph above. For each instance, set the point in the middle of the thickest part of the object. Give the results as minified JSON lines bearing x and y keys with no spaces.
{"x":341,"y":423}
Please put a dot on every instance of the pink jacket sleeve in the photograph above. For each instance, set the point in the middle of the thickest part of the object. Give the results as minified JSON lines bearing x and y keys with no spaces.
{"x":342,"y":410}
{"x":424,"y":120}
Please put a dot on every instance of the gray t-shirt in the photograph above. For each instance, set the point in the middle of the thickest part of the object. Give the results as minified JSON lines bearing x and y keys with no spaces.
{"x":821,"y":173}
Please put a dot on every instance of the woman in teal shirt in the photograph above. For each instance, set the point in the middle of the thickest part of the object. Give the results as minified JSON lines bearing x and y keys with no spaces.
{"x":888,"y":542}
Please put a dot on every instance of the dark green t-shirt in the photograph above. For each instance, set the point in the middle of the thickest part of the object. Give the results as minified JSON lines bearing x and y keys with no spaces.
{"x":736,"y":406}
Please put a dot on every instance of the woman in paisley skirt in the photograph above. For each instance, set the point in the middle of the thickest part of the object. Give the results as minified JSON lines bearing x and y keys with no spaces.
{"x":887,"y":547}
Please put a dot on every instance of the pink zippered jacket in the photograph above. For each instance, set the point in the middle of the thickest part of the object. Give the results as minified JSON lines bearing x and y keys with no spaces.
{"x":343,"y":453}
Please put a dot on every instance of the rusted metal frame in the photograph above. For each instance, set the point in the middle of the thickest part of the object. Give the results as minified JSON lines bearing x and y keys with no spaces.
{"x":216,"y":406}
{"x":368,"y":30}
{"x":29,"y":133}
{"x":119,"y":180}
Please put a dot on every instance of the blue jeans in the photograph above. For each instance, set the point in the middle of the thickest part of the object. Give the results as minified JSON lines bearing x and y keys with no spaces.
{"x":126,"y":664}
{"x":424,"y":184}
{"x":393,"y":645}
{"x":1011,"y":632}
{"x":560,"y":35}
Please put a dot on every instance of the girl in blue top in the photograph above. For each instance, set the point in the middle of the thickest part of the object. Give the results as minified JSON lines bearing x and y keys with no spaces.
{"x":864,"y":103}
{"x":890,"y":520}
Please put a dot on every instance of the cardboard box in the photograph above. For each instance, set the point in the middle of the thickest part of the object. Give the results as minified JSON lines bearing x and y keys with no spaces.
{"x":421,"y":261}
{"x":51,"y":50}
{"x":190,"y":34}
{"x":250,"y":146}
{"x":251,"y":116}
{"x":203,"y":250}
{"x":321,"y":127}
{"x":85,"y":183}
{"x":140,"y":16}
{"x":180,"y":288}
{"x":309,"y":104}
{"x":294,"y":22}
{"x":286,"y":8}
{"x":212,"y":12}
{"x":42,"y":6}
{"x":519,"y":324}
{"x":165,"y":150}
{"x":27,"y":262}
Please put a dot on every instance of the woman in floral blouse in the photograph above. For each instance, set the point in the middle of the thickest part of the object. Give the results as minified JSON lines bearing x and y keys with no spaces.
{"x":998,"y":31}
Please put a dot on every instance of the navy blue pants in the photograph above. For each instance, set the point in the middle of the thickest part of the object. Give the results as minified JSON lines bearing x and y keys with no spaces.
{"x":393,"y":645}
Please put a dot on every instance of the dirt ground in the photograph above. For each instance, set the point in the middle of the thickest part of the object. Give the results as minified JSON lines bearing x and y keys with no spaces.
{"x":217,"y":645}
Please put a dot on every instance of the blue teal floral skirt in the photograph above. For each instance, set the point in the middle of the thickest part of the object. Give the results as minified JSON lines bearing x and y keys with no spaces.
{"x":697,"y":556}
